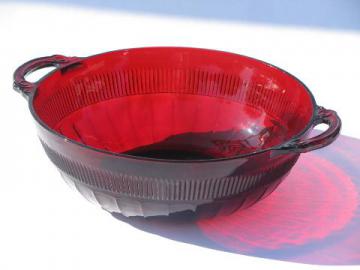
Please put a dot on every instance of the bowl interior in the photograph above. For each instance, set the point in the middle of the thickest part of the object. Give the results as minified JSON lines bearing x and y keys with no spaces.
{"x":176,"y":103}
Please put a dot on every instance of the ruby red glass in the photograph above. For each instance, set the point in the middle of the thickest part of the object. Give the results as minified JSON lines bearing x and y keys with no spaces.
{"x":153,"y":131}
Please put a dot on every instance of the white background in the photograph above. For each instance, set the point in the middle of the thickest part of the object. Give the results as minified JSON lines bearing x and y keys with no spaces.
{"x":43,"y":224}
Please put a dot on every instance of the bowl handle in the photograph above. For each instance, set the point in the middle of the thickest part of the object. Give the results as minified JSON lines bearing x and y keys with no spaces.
{"x":325,"y":138}
{"x":25,"y":87}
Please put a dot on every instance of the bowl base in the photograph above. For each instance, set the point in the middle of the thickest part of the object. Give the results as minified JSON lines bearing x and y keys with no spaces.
{"x":125,"y":206}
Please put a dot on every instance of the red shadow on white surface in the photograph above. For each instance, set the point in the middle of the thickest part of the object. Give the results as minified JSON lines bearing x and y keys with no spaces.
{"x":313,"y":217}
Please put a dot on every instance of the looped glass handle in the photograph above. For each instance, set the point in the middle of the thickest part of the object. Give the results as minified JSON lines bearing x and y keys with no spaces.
{"x":25,"y":87}
{"x":325,"y":138}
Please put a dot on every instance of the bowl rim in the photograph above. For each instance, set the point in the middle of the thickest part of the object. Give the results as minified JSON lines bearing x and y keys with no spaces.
{"x":277,"y":147}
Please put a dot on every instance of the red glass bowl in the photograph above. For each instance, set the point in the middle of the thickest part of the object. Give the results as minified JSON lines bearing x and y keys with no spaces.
{"x":153,"y":131}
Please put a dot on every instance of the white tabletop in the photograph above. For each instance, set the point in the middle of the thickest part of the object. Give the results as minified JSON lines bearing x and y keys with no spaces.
{"x":43,"y":224}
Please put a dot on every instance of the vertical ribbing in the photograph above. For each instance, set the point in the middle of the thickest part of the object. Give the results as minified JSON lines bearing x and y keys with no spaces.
{"x":165,"y":189}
